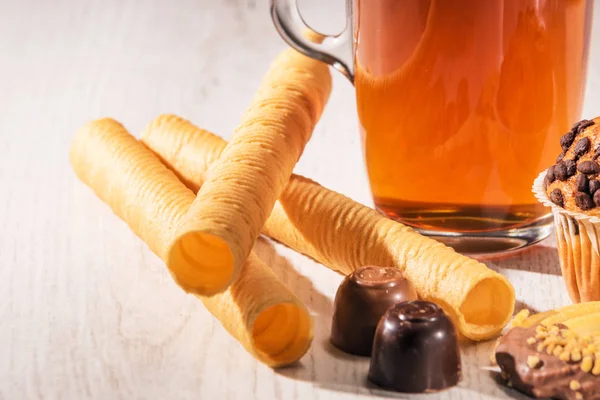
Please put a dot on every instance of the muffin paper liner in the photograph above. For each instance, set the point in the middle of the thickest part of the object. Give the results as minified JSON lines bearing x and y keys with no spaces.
{"x":578,"y":240}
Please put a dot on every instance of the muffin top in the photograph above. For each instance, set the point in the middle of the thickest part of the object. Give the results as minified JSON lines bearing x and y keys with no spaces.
{"x":574,"y":181}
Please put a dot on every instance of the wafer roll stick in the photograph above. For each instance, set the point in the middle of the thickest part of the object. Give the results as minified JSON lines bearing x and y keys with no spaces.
{"x":583,"y":318}
{"x":564,"y":314}
{"x":345,"y":235}
{"x":258,"y":310}
{"x":238,"y":195}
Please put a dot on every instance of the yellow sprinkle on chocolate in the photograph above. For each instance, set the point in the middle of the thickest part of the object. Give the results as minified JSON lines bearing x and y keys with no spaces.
{"x":554,"y":330}
{"x":592,"y":348}
{"x":541,"y":335}
{"x":578,"y":396}
{"x":520,"y":318}
{"x":585,"y":352}
{"x":565,"y":356}
{"x":576,"y":355}
{"x":574,"y":385}
{"x":596,"y":369}
{"x":586,"y":364}
{"x":531,"y":340}
{"x":533,"y":361}
{"x":550,"y":340}
{"x":550,"y":348}
{"x":540,"y":329}
{"x":557,"y":351}
{"x":540,"y":347}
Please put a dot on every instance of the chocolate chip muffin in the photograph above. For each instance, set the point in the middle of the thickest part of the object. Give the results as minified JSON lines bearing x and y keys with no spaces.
{"x":572,"y":188}
{"x":573,"y":182}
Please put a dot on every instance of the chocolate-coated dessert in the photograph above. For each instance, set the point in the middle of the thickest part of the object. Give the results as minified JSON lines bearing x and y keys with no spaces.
{"x":550,"y":363}
{"x":361,"y":300}
{"x":415,"y":349}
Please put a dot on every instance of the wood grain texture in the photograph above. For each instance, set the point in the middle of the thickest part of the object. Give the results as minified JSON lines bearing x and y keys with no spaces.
{"x":87,"y":311}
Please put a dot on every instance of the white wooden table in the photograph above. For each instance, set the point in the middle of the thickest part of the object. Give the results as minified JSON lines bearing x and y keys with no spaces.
{"x":86,"y":310}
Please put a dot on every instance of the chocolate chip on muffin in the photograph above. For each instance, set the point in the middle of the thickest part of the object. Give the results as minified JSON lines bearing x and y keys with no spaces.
{"x":550,"y":177}
{"x":596,"y":151}
{"x":594,"y":185}
{"x":588,"y":167}
{"x":582,"y":183}
{"x":583,"y":201}
{"x":578,"y":127}
{"x":565,"y":169}
{"x":597,"y":198}
{"x":556,"y":197}
{"x":566,"y":140}
{"x":560,"y":171}
{"x":581,"y":147}
{"x":571,"y":167}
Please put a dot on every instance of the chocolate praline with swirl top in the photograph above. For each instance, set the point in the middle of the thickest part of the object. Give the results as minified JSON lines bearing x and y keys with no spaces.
{"x":415,"y":349}
{"x":360,"y":302}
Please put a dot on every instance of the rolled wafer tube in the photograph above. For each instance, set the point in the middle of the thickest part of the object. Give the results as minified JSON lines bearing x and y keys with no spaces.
{"x":235,"y":200}
{"x":258,"y":310}
{"x":345,"y":235}
{"x":583,"y":318}
{"x":565,"y":314}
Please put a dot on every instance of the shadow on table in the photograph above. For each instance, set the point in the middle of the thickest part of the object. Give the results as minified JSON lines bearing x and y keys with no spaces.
{"x":510,"y":393}
{"x":329,"y":368}
{"x":540,"y":258}
{"x":521,"y":305}
{"x":318,"y":304}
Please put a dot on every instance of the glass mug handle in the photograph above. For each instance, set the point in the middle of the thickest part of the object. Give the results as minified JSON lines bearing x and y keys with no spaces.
{"x":335,"y":50}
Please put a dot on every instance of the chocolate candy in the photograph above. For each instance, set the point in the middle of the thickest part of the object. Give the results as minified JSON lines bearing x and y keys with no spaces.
{"x":596,"y":198}
{"x":594,"y":185}
{"x":556,"y":197}
{"x":565,"y":169}
{"x":580,"y":126}
{"x":415,"y":349}
{"x":588,"y":167}
{"x":583,"y":201}
{"x":566,"y":140}
{"x":571,"y":167}
{"x":581,"y":147}
{"x":549,"y":176}
{"x":360,"y":302}
{"x":582,"y":183}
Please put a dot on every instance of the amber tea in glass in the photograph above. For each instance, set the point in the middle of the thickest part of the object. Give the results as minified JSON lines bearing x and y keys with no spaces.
{"x":461,"y":104}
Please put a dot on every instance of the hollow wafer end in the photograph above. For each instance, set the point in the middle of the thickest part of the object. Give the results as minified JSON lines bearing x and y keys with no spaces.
{"x":487,"y":308}
{"x":201,"y":263}
{"x":282,"y":333}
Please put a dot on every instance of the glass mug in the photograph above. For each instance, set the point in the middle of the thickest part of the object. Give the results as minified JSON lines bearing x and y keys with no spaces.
{"x":461,"y":104}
